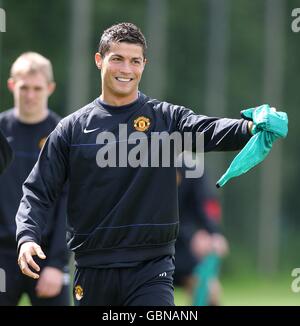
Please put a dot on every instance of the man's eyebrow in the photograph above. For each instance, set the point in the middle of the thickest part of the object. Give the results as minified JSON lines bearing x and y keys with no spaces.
{"x":117,"y":55}
{"x":121,"y":56}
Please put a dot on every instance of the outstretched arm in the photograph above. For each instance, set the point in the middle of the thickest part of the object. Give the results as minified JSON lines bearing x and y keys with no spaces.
{"x":220,"y":134}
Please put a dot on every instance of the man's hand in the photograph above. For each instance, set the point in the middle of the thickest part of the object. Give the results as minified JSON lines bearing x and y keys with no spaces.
{"x":250,"y":127}
{"x":201,"y":243}
{"x":266,"y":118}
{"x":220,"y":245}
{"x":50,"y":282}
{"x":27,"y":250}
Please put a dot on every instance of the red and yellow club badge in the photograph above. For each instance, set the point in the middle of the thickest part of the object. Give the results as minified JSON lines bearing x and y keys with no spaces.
{"x":141,"y":123}
{"x":78,"y":292}
{"x":42,"y":142}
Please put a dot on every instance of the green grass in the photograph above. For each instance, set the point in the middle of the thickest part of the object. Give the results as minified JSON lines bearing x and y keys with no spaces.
{"x":243,"y":291}
{"x":247,"y":291}
{"x":24,"y":301}
{"x":259,"y":292}
{"x":181,"y":298}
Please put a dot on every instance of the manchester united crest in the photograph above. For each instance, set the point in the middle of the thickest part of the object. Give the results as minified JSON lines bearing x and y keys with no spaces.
{"x":141,"y":123}
{"x":78,"y":292}
{"x":42,"y":142}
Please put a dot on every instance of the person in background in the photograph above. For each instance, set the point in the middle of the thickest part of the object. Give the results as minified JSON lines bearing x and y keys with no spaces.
{"x":26,"y":126}
{"x":6,"y":154}
{"x":200,"y":245}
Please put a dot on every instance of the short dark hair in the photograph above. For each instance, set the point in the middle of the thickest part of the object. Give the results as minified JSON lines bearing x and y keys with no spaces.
{"x":123,"y":32}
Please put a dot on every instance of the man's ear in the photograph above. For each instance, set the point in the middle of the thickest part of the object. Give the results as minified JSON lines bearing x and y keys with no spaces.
{"x":51,"y":88}
{"x":98,"y":60}
{"x":11,"y":84}
{"x":145,"y":62}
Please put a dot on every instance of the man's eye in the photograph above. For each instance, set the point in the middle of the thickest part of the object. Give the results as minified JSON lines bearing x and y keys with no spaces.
{"x":116,"y":59}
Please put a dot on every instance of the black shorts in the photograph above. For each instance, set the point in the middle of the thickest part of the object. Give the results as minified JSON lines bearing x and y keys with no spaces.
{"x":150,"y":283}
{"x":17,"y":284}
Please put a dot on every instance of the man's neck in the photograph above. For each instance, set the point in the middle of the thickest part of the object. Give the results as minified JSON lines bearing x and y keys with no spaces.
{"x":31,"y":119}
{"x":118,"y":101}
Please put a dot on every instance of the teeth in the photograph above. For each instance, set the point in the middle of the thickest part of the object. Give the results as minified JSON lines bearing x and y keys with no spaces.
{"x":123,"y":79}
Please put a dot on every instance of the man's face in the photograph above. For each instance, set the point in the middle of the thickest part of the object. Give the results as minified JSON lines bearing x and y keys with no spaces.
{"x":121,"y":70}
{"x":31,"y":92}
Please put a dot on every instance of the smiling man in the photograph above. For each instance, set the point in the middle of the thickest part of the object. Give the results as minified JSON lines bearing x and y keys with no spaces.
{"x":121,"y":72}
{"x":123,"y":218}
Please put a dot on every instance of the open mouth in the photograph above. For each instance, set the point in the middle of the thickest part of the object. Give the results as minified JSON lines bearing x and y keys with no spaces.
{"x":124,"y":80}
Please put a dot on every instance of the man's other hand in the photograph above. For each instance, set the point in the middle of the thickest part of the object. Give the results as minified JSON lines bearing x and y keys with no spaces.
{"x":50,"y":282}
{"x":25,"y":260}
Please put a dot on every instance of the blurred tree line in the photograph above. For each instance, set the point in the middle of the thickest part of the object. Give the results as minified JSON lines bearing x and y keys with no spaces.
{"x":47,"y":27}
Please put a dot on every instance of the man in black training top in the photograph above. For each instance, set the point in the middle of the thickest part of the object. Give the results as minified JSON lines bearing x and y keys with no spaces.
{"x":5,"y":153}
{"x":26,"y":127}
{"x":123,"y":213}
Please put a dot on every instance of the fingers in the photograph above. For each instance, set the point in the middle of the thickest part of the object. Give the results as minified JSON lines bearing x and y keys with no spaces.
{"x":25,"y":269}
{"x":40,"y":252}
{"x":250,"y":127}
{"x":29,"y":260}
{"x":26,"y":261}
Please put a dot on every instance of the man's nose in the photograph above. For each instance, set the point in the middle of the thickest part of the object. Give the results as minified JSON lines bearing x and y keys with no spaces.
{"x":30,"y":94}
{"x":126,"y":68}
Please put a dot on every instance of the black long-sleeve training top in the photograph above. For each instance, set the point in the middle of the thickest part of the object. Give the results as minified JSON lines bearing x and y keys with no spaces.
{"x":6,"y":153}
{"x":26,"y":141}
{"x":119,"y":215}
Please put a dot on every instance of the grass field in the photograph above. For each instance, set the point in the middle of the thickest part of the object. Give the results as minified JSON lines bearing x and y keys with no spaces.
{"x":252,"y":292}
{"x":246,"y":291}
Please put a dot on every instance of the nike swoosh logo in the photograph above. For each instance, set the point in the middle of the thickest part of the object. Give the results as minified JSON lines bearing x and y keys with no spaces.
{"x":87,"y":131}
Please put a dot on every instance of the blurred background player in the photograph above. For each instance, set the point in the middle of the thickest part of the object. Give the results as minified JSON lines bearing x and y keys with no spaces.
{"x":26,"y":127}
{"x":5,"y":153}
{"x":199,"y":246}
